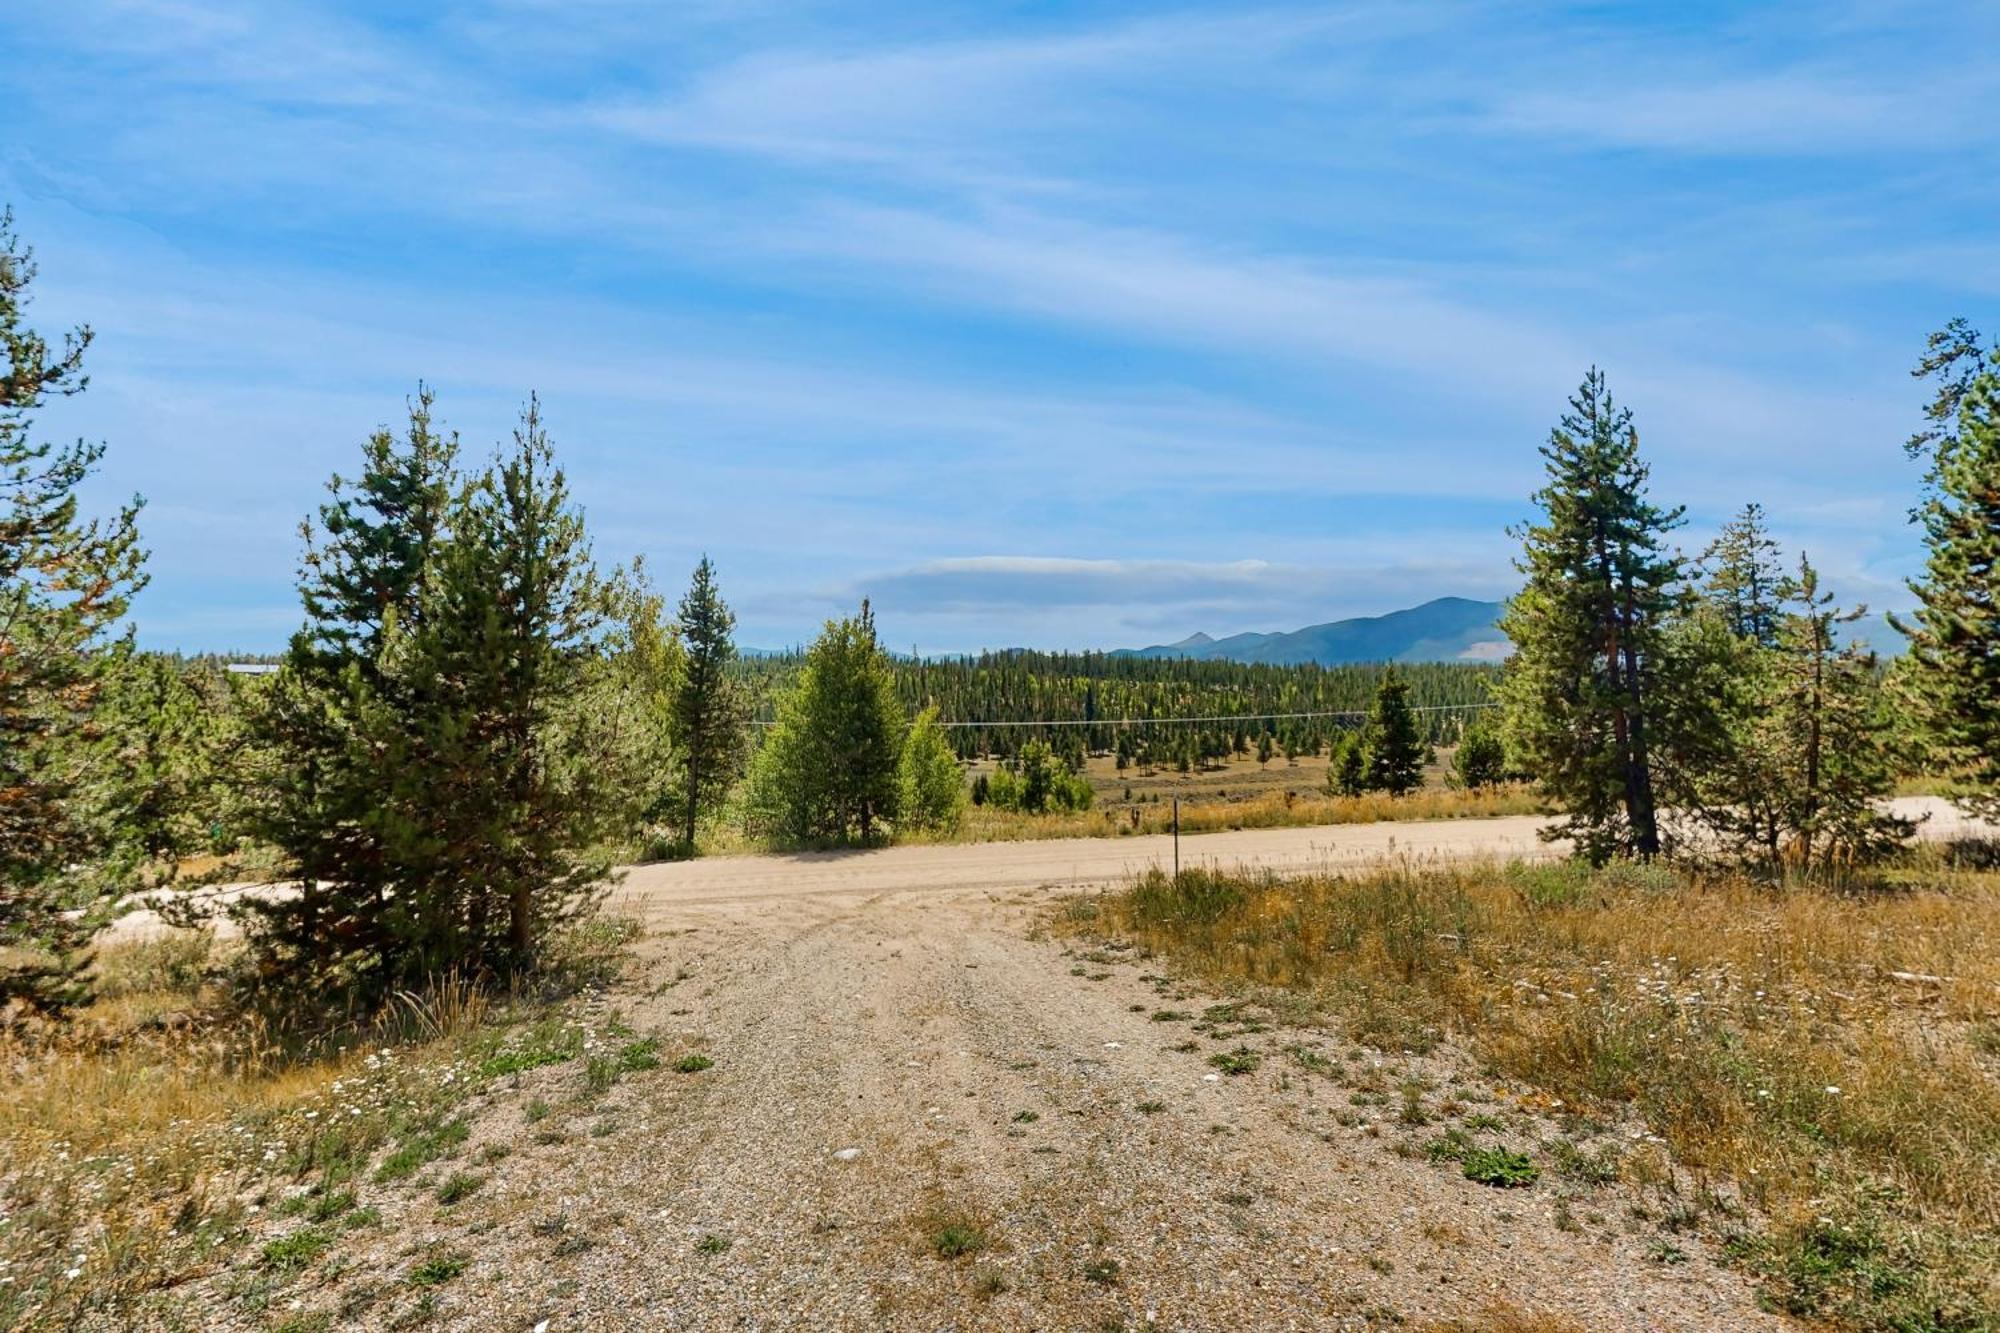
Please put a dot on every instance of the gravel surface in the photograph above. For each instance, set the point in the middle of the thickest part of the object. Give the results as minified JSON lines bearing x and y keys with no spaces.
{"x":889,"y":1066}
{"x":903,"y":1064}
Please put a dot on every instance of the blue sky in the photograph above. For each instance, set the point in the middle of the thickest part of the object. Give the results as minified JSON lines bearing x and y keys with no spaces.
{"x":1053,"y":324}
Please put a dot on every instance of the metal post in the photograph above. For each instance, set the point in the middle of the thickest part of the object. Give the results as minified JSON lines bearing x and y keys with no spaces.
{"x":1177,"y":839}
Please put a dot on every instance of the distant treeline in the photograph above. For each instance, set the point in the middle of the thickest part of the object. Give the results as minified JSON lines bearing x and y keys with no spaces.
{"x":1131,"y":703}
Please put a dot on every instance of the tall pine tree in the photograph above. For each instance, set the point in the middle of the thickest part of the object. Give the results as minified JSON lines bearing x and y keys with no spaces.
{"x":1582,"y":691}
{"x":64,"y":584}
{"x":443,"y":764}
{"x":1396,"y":745}
{"x":1954,"y":666}
{"x":711,"y":716}
{"x":1812,"y":755}
{"x":1744,"y":581}
{"x":827,"y":770}
{"x":337,"y":721}
{"x":517,"y":614}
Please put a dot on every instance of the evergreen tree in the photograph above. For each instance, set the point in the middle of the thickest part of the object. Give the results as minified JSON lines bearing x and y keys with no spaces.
{"x":366,"y":562}
{"x":516,"y":612}
{"x":931,"y":786}
{"x":1954,"y":668}
{"x":1396,"y":747}
{"x":629,"y":689}
{"x":827,"y":770}
{"x":1347,"y":771}
{"x":1815,"y":755}
{"x":1954,"y":357}
{"x":177,"y":730}
{"x":711,"y":718}
{"x":64,"y":585}
{"x":1481,"y":757}
{"x":441,"y":756}
{"x":337,"y":719}
{"x":1583,"y":690}
{"x":1744,"y":580}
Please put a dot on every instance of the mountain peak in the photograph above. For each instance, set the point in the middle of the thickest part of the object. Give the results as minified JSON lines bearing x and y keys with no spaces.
{"x":1445,"y":629}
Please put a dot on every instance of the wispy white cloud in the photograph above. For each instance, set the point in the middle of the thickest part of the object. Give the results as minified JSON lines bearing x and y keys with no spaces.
{"x":1298,"y":283}
{"x":1783,"y":111}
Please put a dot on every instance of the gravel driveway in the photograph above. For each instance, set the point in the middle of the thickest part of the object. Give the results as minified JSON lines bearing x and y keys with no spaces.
{"x":891,"y":1065}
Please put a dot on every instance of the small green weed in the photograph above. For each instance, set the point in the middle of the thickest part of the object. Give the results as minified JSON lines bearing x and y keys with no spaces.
{"x":438,"y":1269}
{"x":460,"y":1185}
{"x":289,"y":1254}
{"x":1242,"y":1060}
{"x":1502,"y":1168}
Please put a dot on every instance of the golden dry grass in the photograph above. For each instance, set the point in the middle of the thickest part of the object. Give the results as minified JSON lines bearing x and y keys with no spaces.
{"x":140,"y":1138}
{"x":1829,"y":1058}
{"x":1278,"y":809}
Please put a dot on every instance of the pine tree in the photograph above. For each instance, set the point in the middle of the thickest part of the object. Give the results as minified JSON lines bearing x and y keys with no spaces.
{"x":711,"y":717}
{"x":446,"y":764}
{"x":1347,"y":771}
{"x":1396,"y":747}
{"x":1954,"y":667}
{"x":1815,"y":753}
{"x":1481,"y":757}
{"x":931,"y":786}
{"x":1582,"y":691}
{"x":827,"y":770}
{"x":337,"y":721}
{"x":367,"y":561}
{"x":1744,"y":580}
{"x":64,"y":585}
{"x":519,"y":611}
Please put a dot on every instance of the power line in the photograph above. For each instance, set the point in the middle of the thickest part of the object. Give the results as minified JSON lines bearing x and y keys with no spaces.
{"x":1177,"y":721}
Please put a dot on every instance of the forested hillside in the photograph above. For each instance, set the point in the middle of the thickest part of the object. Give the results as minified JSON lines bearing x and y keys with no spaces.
{"x":1109,"y":702}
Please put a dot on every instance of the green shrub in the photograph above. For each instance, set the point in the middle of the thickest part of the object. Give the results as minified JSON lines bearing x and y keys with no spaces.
{"x":1499,"y":1167}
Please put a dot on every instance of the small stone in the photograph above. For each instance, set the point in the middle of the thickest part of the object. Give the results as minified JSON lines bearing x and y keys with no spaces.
{"x":846,"y":1154}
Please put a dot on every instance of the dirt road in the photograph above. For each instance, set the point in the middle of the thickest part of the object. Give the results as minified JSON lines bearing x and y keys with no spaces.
{"x":1084,"y":862}
{"x":903,"y":1072}
{"x":926,"y":1113}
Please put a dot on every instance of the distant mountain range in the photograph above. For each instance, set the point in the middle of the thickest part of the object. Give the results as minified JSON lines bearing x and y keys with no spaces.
{"x":1450,"y":629}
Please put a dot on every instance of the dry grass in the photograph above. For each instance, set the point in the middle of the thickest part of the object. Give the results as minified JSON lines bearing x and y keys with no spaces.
{"x":1501,"y":1316}
{"x":1764,"y":1035}
{"x":1279,"y":809}
{"x":1237,"y":794}
{"x":140,"y":1140}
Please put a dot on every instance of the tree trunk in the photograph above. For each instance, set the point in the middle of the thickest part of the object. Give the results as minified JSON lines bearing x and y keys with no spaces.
{"x":694,"y":788}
